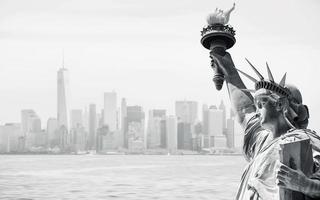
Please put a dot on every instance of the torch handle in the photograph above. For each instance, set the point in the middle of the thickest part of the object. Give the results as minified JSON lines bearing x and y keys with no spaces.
{"x":218,"y":77}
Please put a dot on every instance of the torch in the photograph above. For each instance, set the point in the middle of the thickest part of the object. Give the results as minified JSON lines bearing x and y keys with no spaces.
{"x":217,"y":36}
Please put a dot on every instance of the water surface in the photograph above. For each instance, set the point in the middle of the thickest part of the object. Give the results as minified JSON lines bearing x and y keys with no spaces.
{"x":140,"y":177}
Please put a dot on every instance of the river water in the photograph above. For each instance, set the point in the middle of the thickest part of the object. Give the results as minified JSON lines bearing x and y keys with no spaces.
{"x":141,"y":177}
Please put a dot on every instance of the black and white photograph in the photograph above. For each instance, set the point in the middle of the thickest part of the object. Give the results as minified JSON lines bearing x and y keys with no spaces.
{"x":163,"y":100}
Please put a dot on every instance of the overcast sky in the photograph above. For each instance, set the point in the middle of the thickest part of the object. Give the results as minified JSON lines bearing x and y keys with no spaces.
{"x":147,"y":51}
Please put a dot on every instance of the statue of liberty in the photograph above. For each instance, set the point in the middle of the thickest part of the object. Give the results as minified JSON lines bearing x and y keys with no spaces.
{"x":283,"y":155}
{"x":272,"y":116}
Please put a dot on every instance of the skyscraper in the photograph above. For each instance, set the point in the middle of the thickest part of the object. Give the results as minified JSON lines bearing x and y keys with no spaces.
{"x":205,"y":126}
{"x":135,"y":127}
{"x":30,"y":126}
{"x":124,"y":124}
{"x":10,"y":135}
{"x":92,"y":126}
{"x":85,"y":119}
{"x":154,"y":128}
{"x":230,"y":133}
{"x":110,"y":110}
{"x":27,"y":118}
{"x":186,"y":111}
{"x":205,"y":111}
{"x":217,"y":139}
{"x":171,"y":124}
{"x":223,"y":108}
{"x":184,"y":136}
{"x":238,"y":133}
{"x":163,"y":133}
{"x":63,"y":114}
{"x":76,"y":118}
{"x":52,"y":128}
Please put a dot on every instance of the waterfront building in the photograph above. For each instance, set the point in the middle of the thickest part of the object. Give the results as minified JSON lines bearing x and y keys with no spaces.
{"x":123,"y":122}
{"x":163,"y":133}
{"x":85,"y":118}
{"x":238,"y":133}
{"x":154,"y":128}
{"x":29,"y":120}
{"x":217,"y":139}
{"x":171,"y":127}
{"x":135,"y":125}
{"x":238,"y":136}
{"x":30,"y":127}
{"x":11,"y":138}
{"x":205,"y":111}
{"x":52,"y":132}
{"x":78,"y":138}
{"x":230,"y":133}
{"x":92,"y":127}
{"x":136,"y":136}
{"x":184,"y":136}
{"x":223,"y":108}
{"x":110,"y":110}
{"x":76,"y":118}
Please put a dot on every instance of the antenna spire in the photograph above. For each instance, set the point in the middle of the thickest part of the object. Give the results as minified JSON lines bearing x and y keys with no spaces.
{"x":63,"y":58}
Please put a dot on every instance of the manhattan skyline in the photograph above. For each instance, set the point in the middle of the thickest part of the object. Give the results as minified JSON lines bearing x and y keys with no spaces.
{"x":149,"y":53}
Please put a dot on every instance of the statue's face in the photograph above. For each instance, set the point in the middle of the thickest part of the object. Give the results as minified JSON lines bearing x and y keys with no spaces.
{"x":266,"y":107}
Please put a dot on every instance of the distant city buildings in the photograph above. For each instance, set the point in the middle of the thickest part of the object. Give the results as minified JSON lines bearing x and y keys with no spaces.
{"x":125,"y":128}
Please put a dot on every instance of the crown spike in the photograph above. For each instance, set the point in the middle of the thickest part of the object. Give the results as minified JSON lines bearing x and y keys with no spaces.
{"x":248,"y":76}
{"x":248,"y":90}
{"x":283,"y":80}
{"x":269,"y":73}
{"x":255,"y":70}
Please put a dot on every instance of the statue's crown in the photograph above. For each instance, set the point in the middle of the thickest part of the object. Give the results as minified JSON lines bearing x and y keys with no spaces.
{"x":270,"y":84}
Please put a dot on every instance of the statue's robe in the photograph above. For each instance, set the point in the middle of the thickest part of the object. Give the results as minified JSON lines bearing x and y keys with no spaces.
{"x":262,"y":151}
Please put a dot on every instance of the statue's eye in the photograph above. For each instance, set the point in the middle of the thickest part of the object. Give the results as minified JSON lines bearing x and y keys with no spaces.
{"x":261,"y":101}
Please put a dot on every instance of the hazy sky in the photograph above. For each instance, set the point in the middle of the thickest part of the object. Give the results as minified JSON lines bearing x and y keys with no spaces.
{"x":147,"y":51}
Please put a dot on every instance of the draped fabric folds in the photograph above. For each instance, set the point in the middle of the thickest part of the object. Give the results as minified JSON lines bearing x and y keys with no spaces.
{"x":258,"y":181}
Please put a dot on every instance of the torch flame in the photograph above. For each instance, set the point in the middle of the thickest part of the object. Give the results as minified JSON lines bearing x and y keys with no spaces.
{"x":219,"y":16}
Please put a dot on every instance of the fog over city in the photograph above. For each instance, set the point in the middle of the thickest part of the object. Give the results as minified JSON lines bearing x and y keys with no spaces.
{"x":147,"y":51}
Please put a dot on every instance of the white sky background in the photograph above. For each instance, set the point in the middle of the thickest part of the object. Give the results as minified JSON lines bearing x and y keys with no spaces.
{"x":147,"y":51}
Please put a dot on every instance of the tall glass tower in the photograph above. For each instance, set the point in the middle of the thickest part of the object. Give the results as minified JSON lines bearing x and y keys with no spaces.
{"x":63,"y":114}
